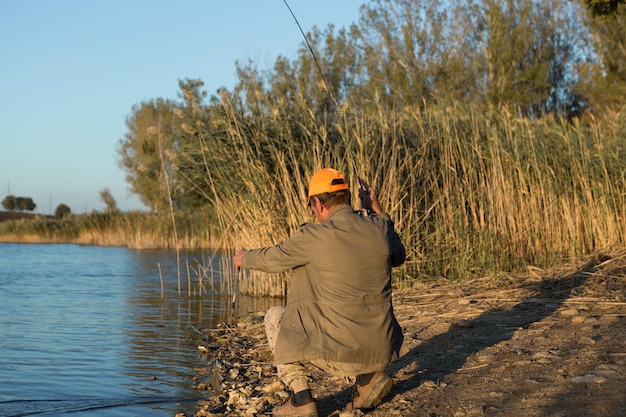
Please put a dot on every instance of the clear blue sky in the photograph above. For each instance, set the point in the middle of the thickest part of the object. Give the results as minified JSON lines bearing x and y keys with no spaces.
{"x":71,"y":70}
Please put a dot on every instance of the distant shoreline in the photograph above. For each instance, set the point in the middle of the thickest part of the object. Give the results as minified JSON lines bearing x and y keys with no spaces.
{"x":134,"y":230}
{"x":19,"y":215}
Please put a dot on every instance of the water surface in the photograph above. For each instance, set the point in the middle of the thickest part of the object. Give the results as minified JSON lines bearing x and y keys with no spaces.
{"x":85,"y":331}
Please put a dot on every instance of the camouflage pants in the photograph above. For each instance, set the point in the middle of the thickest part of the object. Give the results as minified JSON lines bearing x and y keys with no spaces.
{"x":295,"y":375}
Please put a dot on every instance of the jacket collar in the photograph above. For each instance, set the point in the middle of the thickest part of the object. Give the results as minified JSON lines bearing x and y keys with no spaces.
{"x":339,"y":210}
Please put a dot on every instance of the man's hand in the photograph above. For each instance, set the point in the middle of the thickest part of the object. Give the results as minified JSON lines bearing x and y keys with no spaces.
{"x":368,"y":197}
{"x":237,"y":258}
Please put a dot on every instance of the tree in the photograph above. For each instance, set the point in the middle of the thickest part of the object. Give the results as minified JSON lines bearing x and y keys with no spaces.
{"x":62,"y":211}
{"x":400,"y":40}
{"x":9,"y":203}
{"x":517,"y":58}
{"x":13,"y":203}
{"x":25,"y":204}
{"x":160,"y":151}
{"x":109,"y":201}
{"x":604,"y":81}
{"x":572,"y":46}
{"x":142,"y":149}
{"x":190,"y":134}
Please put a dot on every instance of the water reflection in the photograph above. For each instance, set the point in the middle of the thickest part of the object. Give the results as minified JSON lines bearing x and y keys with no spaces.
{"x":89,"y":328}
{"x":165,"y":318}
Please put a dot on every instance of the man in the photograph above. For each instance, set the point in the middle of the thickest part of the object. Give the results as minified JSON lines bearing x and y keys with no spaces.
{"x":339,"y":315}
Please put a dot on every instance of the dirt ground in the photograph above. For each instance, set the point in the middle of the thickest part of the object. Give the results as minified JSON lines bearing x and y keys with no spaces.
{"x":548,"y":343}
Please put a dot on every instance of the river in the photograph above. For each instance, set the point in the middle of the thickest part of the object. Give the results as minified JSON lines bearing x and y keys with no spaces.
{"x":90,"y":331}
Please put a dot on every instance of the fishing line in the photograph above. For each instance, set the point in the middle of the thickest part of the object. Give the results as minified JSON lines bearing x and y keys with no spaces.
{"x":328,"y":90}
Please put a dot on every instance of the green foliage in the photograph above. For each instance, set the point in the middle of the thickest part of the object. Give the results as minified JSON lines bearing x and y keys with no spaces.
{"x":25,"y":204}
{"x":9,"y":203}
{"x":13,"y":203}
{"x":142,"y":151}
{"x":62,"y":211}
{"x":404,"y":49}
{"x":604,"y":81}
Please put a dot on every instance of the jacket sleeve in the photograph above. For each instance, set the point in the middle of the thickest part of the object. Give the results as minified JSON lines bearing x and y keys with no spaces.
{"x":397,"y":252}
{"x":282,"y":257}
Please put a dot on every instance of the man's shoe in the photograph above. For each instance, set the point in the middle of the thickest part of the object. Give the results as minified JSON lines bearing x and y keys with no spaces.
{"x":292,"y":409}
{"x":372,"y":394}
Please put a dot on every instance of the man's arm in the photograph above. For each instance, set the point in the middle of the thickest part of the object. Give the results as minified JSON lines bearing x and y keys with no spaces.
{"x":274,"y":259}
{"x":369,"y":201}
{"x":397,"y":252}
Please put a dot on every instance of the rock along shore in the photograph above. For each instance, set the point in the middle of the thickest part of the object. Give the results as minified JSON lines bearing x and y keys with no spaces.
{"x":549,"y":343}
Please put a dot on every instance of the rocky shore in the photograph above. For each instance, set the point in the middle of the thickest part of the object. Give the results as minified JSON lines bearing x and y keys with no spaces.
{"x":548,"y":343}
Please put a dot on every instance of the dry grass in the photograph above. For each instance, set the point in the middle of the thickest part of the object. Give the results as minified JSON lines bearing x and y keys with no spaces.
{"x":471,"y":193}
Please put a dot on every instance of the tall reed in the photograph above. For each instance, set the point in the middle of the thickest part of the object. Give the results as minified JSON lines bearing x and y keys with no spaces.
{"x":472,"y":192}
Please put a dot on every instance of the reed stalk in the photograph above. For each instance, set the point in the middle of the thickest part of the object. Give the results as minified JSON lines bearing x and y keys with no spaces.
{"x":171,"y":206}
{"x":161,"y":280}
{"x":472,"y":193}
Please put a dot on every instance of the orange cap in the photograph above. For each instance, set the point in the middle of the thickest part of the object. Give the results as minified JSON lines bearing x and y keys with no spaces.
{"x":326,"y":180}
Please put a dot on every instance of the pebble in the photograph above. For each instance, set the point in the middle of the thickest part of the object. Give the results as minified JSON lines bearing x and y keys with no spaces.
{"x":235,"y":398}
{"x":615,"y":367}
{"x":587,"y":341}
{"x":485,"y":358}
{"x":471,"y":412}
{"x":589,"y":378}
{"x":272,"y":388}
{"x":464,"y":324}
{"x":544,"y":355}
{"x":603,"y":372}
{"x":608,"y":320}
{"x":351,"y":413}
{"x":428,"y":384}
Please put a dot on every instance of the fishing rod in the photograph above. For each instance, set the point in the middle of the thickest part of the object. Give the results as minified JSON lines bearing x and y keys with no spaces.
{"x":329,"y":91}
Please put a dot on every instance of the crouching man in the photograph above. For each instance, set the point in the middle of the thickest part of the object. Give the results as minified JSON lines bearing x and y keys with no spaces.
{"x":339,"y":313}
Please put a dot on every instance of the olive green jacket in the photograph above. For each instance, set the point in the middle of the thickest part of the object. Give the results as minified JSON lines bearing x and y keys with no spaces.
{"x":339,"y":300}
